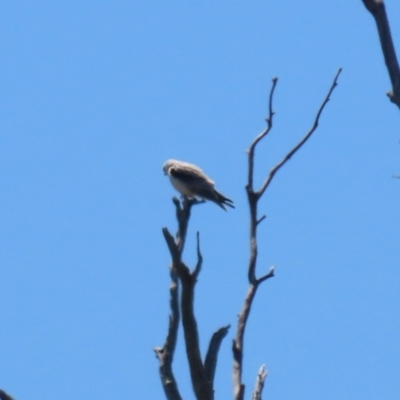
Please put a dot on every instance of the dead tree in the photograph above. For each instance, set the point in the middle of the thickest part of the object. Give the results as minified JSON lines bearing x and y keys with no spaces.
{"x":202,"y":370}
{"x":378,"y":10}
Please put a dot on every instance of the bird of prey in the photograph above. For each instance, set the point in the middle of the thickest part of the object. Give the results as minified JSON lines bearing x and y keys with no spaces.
{"x":192,"y":182}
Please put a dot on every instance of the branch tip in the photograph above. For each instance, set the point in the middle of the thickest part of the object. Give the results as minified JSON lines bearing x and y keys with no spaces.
{"x":210,"y":362}
{"x":261,"y":376}
{"x":294,"y":150}
{"x":261,"y":219}
{"x":199,"y":256}
{"x":270,"y":274}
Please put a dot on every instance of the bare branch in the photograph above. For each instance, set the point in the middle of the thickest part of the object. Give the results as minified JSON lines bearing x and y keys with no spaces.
{"x":261,"y":376}
{"x":172,"y":246}
{"x":253,"y":198}
{"x":261,"y":219}
{"x":183,"y":215}
{"x":270,"y":274}
{"x":237,"y":346}
{"x":264,"y":133}
{"x":210,"y":362}
{"x":378,"y":10}
{"x":5,"y":396}
{"x":302,"y":141}
{"x":201,"y":384}
{"x":199,"y":258}
{"x":165,"y":354}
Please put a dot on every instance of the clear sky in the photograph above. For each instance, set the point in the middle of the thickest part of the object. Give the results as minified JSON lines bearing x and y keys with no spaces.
{"x":96,"y":95}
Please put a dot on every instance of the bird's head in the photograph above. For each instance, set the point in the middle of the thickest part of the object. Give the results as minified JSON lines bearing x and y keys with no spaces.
{"x":167,"y":165}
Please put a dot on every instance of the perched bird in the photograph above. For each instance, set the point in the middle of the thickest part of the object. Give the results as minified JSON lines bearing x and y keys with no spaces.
{"x":192,"y":182}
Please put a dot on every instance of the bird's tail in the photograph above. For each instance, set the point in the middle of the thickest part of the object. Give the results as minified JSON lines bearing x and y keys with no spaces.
{"x":215,"y":196}
{"x":223,"y":201}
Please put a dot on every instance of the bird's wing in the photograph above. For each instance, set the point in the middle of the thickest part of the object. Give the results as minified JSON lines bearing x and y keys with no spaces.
{"x":190,"y":175}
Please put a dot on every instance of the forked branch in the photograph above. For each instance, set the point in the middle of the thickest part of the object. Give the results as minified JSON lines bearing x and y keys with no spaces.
{"x":201,"y":382}
{"x":254,"y":282}
{"x":291,"y":153}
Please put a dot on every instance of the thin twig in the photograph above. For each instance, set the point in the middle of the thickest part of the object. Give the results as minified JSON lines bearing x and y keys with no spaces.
{"x":378,"y":10}
{"x":268,"y":275}
{"x":262,"y":135}
{"x":302,"y":141}
{"x":199,"y":257}
{"x":261,"y":219}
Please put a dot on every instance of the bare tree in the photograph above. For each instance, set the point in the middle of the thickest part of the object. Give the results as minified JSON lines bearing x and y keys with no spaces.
{"x":202,"y":372}
{"x":378,"y":10}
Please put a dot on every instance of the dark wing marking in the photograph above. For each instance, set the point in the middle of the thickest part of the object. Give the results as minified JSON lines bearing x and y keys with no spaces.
{"x":182,"y":175}
{"x":192,"y":177}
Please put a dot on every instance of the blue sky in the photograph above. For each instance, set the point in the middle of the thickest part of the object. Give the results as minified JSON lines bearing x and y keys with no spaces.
{"x":95,"y":96}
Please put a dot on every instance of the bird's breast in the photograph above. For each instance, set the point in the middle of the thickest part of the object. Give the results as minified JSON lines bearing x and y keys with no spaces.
{"x":181,"y":187}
